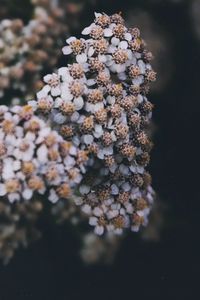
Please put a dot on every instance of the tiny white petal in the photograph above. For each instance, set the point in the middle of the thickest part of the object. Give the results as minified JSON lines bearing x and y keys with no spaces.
{"x":123,"y":45}
{"x":97,"y":212}
{"x":75,"y":116}
{"x":58,"y":102}
{"x":118,"y":231}
{"x":122,"y":76}
{"x":62,"y":71}
{"x":59,"y":118}
{"x":88,"y":139}
{"x":112,"y":214}
{"x":66,"y":50}
{"x":128,"y":36}
{"x":53,"y":197}
{"x":13,"y":197}
{"x":78,"y":201}
{"x":55,"y":91}
{"x":115,"y":41}
{"x":27,"y":194}
{"x":90,"y":51}
{"x":78,"y":102}
{"x":100,"y":154}
{"x":126,"y":187}
{"x":86,"y":30}
{"x":108,"y":32}
{"x":33,"y":103}
{"x":2,"y":189}
{"x":139,"y":98}
{"x":43,"y":93}
{"x":81,"y":58}
{"x":16,"y":165}
{"x":135,"y":228}
{"x":114,"y":189}
{"x":42,"y":154}
{"x":47,"y":77}
{"x":142,"y":66}
{"x":98,"y":128}
{"x":141,"y":213}
{"x":65,"y":94}
{"x":91,"y":82}
{"x":84,"y":189}
{"x":97,"y":14}
{"x":70,"y":39}
{"x":86,"y":209}
{"x":99,"y":230}
{"x":102,"y":58}
{"x":93,"y":221}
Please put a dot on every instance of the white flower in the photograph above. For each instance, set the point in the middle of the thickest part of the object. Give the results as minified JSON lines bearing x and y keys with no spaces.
{"x":67,"y":49}
{"x":53,"y":84}
{"x":24,"y":150}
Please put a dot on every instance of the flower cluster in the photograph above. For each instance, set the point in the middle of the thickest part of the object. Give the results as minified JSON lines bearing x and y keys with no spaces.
{"x":99,"y":103}
{"x":27,"y":50}
{"x":34,"y":158}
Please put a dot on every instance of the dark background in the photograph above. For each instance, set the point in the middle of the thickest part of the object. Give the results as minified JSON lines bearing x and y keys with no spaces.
{"x":168,"y":268}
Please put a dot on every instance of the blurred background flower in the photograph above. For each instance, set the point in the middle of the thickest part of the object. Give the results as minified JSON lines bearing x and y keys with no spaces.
{"x":30,"y":43}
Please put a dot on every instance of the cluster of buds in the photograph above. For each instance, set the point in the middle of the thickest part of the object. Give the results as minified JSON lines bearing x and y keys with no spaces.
{"x":34,"y":159}
{"x":99,"y":104}
{"x":29,"y":49}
